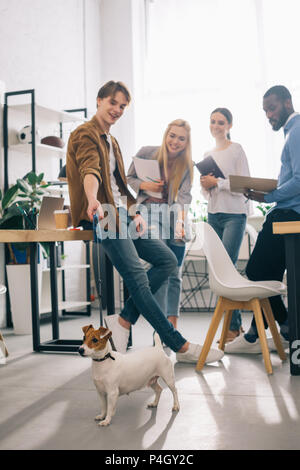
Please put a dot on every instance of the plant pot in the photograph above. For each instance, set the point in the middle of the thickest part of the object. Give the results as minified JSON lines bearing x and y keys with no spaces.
{"x":18,"y":278}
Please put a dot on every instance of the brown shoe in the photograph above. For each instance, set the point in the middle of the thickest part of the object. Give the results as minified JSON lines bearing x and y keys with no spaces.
{"x":232,"y":334}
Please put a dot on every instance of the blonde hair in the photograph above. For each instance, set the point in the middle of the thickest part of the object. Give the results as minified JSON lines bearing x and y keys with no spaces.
{"x":181,"y":164}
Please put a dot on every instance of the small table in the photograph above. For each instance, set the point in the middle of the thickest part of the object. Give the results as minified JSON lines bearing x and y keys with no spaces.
{"x":33,"y":237}
{"x":291,"y":233}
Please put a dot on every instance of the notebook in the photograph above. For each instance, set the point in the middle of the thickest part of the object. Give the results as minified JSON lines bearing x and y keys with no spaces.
{"x":46,"y":220}
{"x":208,"y":165}
{"x":240,"y":184}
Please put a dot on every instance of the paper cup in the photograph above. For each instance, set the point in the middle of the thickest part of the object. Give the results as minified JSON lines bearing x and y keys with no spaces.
{"x":61,"y":219}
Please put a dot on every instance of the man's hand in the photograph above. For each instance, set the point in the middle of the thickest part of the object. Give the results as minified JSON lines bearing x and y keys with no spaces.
{"x":208,"y":181}
{"x":255,"y":195}
{"x":93,"y":207}
{"x":140,"y":223}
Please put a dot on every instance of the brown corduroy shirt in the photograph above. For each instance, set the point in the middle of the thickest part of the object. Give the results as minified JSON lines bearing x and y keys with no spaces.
{"x":88,"y":153}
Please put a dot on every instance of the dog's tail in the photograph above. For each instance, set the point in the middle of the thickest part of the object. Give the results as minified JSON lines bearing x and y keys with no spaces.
{"x":157,"y":340}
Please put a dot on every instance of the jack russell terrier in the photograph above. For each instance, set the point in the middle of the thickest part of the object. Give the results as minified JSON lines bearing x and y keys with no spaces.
{"x":116,"y":374}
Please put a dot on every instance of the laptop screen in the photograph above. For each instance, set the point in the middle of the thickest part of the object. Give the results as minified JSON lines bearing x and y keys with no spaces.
{"x":46,"y":220}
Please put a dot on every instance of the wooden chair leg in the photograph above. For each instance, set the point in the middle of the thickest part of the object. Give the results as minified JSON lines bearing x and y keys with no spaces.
{"x":262,"y":334}
{"x":265,"y":303}
{"x":217,"y":316}
{"x":226,"y":325}
{"x":3,"y":346}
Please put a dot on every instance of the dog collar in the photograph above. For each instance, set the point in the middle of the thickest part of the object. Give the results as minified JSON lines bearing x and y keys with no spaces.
{"x":105,"y":357}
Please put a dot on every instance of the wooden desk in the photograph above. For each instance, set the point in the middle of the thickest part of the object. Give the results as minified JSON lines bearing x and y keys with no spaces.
{"x":33,"y":237}
{"x":291,"y":233}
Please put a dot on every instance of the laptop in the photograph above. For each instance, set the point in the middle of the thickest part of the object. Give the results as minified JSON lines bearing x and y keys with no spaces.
{"x":46,"y":220}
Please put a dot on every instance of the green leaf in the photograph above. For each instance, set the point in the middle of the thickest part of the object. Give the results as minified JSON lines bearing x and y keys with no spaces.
{"x":40,"y":178}
{"x":32,"y":178}
{"x":9,"y":196}
{"x":23,"y":186}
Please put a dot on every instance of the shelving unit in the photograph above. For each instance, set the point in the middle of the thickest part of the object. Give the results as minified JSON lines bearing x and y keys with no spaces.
{"x":41,"y":149}
{"x":37,"y":151}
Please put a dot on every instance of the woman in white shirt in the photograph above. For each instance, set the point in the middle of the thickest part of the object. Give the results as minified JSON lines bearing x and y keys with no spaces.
{"x":227,"y":211}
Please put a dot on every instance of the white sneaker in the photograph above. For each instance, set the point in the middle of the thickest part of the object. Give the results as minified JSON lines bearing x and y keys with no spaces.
{"x":241,"y":346}
{"x":120,"y":335}
{"x":193,"y":353}
{"x":271,"y":344}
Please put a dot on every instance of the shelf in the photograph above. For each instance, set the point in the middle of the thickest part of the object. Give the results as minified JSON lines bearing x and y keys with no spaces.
{"x":42,"y":149}
{"x":65,"y":305}
{"x":69,"y":266}
{"x":43,"y":112}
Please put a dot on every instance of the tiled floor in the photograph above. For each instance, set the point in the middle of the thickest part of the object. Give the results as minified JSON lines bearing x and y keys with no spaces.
{"x":48,"y":401}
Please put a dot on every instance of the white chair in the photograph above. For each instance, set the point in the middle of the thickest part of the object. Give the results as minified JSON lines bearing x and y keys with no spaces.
{"x":236,"y":292}
{"x":2,"y":343}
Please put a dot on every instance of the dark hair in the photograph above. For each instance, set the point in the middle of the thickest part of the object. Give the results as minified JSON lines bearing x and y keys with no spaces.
{"x":111,"y":88}
{"x":227,"y":114}
{"x":280,"y":91}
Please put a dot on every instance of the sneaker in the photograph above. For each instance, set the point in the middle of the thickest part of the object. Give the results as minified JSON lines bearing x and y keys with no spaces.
{"x":271,"y":344}
{"x":241,"y":346}
{"x":120,"y":335}
{"x":193,"y":353}
{"x":232,"y":334}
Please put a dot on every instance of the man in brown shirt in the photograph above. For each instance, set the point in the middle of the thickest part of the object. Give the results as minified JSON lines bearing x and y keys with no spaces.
{"x":97,"y":183}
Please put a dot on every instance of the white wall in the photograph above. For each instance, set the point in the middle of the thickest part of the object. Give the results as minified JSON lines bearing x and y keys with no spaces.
{"x":121,"y":45}
{"x":53,"y":46}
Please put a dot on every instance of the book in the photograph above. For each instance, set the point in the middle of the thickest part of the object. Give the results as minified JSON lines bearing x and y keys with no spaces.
{"x":208,"y":166}
{"x":240,"y":184}
{"x":148,"y":170}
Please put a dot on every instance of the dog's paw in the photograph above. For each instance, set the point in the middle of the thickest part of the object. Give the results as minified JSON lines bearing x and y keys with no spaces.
{"x":152,"y":405}
{"x":105,"y":422}
{"x":176,"y":408}
{"x":99,"y":417}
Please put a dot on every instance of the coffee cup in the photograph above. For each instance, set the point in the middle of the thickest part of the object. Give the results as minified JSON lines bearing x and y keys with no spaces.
{"x":61,"y":219}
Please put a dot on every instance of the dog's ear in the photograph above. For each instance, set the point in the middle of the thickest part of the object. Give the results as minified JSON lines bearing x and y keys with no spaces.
{"x":86,"y":328}
{"x":105,"y":333}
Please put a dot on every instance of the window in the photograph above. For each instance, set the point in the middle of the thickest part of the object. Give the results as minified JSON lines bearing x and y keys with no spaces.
{"x":203,"y":54}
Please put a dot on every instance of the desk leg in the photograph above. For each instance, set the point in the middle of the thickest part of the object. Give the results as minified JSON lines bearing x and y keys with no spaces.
{"x":292,"y":252}
{"x":34,"y":296}
{"x":54,"y":293}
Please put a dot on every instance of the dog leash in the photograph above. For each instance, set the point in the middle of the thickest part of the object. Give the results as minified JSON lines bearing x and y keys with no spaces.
{"x":98,"y":239}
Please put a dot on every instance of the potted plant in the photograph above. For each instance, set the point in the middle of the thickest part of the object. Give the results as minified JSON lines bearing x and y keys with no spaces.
{"x":19,"y":207}
{"x":257,"y":220}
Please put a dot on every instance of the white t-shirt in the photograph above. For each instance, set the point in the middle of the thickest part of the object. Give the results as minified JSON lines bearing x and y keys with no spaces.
{"x":232,"y":161}
{"x":112,"y":166}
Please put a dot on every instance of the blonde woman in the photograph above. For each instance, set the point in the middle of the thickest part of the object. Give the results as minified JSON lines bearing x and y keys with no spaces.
{"x":167,"y":212}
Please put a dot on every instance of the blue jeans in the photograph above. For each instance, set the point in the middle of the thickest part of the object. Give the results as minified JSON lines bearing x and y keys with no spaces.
{"x":125,"y":255}
{"x":231,"y":229}
{"x":168,"y":295}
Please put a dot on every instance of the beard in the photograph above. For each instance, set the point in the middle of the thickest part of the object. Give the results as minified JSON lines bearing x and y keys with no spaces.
{"x":276,"y":125}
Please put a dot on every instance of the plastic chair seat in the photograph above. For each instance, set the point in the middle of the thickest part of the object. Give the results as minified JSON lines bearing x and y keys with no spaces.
{"x":236,"y":292}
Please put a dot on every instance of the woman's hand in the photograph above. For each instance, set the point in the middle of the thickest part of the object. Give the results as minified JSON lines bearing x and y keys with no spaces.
{"x":155,"y":187}
{"x":208,"y":181}
{"x":140,"y":223}
{"x":179,"y":229}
